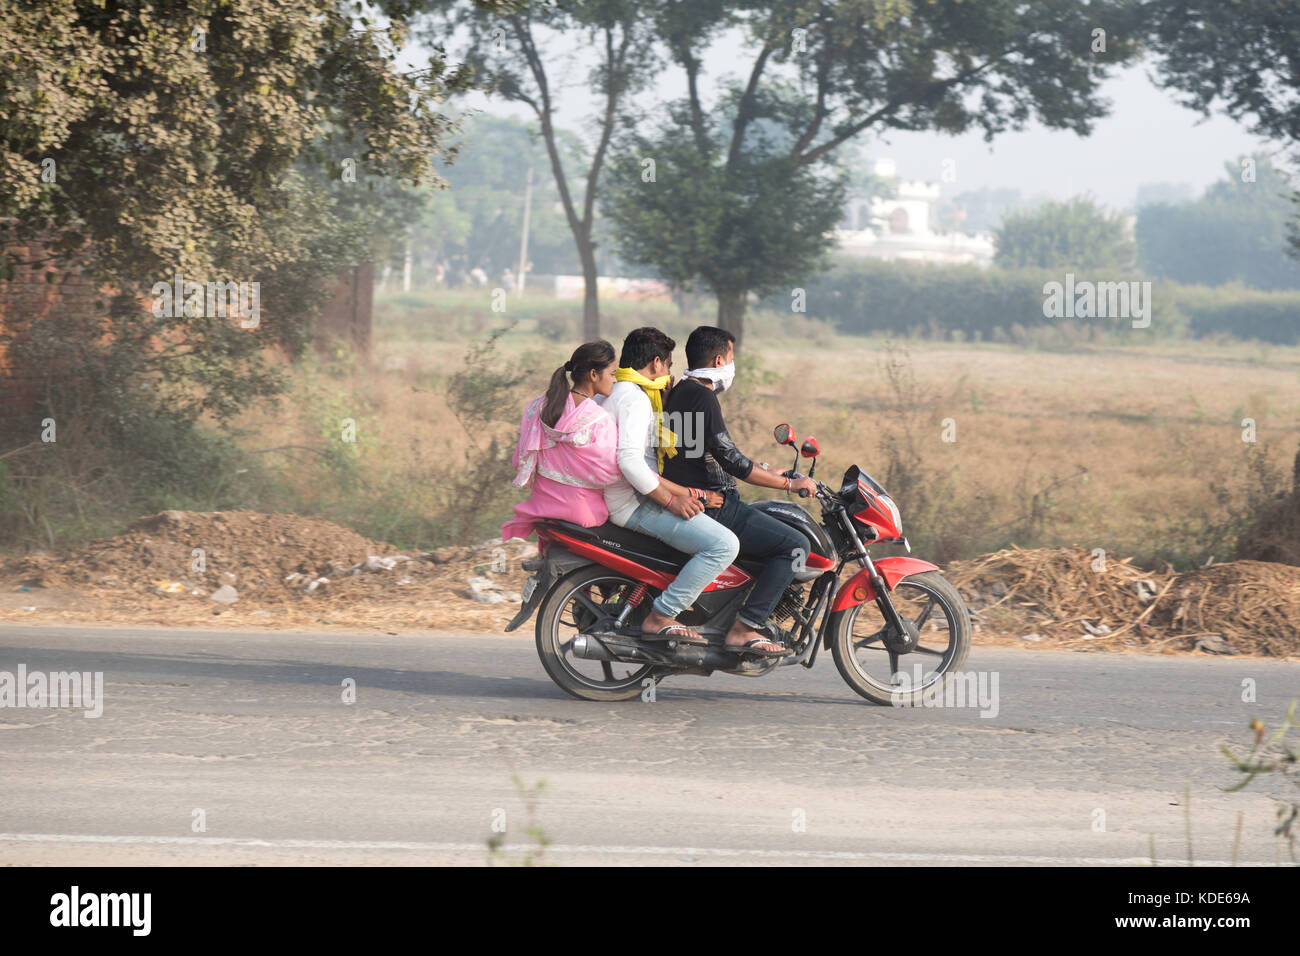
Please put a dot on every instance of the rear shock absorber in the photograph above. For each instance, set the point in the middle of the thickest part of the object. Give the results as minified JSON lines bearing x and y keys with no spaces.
{"x":634,"y":599}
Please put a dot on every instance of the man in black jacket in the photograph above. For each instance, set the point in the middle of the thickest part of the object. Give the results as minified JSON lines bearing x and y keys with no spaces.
{"x":714,"y":464}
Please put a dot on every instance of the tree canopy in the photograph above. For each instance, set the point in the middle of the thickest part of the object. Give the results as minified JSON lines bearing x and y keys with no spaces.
{"x":144,"y":139}
{"x":1076,"y":234}
{"x":822,"y":73}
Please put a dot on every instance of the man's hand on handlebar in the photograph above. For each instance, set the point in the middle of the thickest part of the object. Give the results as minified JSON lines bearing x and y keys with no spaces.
{"x":805,"y":487}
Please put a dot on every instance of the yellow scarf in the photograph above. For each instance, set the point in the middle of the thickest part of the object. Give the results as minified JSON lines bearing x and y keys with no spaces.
{"x":666,"y":444}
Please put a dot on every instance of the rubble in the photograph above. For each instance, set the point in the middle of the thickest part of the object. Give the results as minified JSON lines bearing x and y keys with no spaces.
{"x":224,"y":595}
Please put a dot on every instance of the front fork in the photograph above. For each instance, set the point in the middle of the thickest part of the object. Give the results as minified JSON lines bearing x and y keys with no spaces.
{"x":899,"y":638}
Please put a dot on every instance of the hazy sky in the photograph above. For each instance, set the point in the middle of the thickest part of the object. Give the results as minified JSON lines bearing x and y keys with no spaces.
{"x":1147,"y":138}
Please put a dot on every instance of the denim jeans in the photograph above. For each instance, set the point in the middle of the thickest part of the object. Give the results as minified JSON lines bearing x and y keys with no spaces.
{"x":713,"y":547}
{"x":761,"y":536}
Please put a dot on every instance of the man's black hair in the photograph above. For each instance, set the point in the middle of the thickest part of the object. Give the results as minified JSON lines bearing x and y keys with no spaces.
{"x":705,"y":344}
{"x":642,"y":346}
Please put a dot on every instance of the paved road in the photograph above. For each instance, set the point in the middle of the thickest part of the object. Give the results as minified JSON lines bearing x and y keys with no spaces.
{"x":1087,"y":759}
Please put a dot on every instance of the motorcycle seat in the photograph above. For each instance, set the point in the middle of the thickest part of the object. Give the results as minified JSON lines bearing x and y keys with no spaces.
{"x":621,"y":540}
{"x":636,"y":546}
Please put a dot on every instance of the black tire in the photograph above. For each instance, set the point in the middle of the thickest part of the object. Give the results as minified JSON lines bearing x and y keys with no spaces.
{"x":558,"y":624}
{"x":873,"y":683}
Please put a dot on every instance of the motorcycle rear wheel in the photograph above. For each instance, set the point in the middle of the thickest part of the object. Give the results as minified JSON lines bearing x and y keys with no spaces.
{"x":584,"y":599}
{"x":873,"y":670}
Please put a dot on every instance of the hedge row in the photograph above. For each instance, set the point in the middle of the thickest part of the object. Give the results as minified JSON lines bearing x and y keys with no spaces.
{"x":871,"y":296}
{"x":1269,"y":317}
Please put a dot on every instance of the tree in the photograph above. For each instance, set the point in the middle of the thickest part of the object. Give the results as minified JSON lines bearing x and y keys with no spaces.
{"x":513,"y":53}
{"x":172,"y":137}
{"x":1236,"y":232}
{"x":1238,"y":57}
{"x":1077,"y":233}
{"x":753,"y":224}
{"x":825,"y":72}
{"x":478,"y":218}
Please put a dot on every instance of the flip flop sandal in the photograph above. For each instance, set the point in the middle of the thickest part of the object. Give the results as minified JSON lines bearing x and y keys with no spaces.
{"x":668,"y":634}
{"x":749,"y":648}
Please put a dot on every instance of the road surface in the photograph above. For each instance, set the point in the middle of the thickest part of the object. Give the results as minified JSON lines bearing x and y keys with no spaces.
{"x":219,"y":747}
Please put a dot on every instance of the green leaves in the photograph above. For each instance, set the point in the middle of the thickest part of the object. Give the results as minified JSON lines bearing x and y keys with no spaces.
{"x":1076,"y":234}
{"x":199,"y":161}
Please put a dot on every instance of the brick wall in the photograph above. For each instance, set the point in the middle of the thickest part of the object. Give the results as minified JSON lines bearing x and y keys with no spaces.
{"x":30,"y":296}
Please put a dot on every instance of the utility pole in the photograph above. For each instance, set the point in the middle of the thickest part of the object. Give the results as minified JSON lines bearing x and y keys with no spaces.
{"x":523,"y":242}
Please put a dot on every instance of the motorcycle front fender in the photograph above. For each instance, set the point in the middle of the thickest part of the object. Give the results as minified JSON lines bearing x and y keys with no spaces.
{"x":858,"y":589}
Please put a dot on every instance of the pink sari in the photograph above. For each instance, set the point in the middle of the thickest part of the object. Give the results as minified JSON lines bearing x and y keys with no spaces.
{"x":566,"y":466}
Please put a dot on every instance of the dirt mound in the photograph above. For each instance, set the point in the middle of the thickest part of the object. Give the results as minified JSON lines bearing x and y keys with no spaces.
{"x":195,"y":549}
{"x":1277,"y":535}
{"x":1070,"y":597}
{"x":275,"y":570}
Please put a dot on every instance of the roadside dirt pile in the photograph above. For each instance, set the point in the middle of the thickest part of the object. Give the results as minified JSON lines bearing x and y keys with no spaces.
{"x":1069,"y":597}
{"x":196,"y":548}
{"x":181,"y":567}
{"x":241,"y":568}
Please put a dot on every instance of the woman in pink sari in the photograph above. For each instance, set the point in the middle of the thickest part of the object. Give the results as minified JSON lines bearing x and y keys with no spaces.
{"x":567,"y":445}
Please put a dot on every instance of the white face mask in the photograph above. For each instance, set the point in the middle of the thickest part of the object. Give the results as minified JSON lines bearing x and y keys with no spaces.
{"x":721,"y":377}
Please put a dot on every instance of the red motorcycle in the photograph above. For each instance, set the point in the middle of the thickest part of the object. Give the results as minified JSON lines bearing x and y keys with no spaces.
{"x":594,"y":586}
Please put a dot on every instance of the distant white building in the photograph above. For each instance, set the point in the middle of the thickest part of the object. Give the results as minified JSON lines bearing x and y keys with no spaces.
{"x":899,"y":228}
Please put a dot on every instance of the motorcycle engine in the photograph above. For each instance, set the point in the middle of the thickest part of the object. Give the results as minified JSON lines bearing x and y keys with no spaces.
{"x":791,"y":601}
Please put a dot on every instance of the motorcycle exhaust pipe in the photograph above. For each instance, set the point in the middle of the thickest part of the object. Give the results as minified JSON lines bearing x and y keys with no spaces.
{"x":609,"y":649}
{"x":591,"y":648}
{"x":687,"y":656}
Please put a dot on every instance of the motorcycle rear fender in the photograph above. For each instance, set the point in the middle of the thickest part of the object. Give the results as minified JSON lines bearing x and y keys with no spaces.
{"x":556,"y":563}
{"x":858,"y":589}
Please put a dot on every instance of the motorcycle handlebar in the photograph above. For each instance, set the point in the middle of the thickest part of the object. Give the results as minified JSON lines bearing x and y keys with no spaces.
{"x":822,"y":489}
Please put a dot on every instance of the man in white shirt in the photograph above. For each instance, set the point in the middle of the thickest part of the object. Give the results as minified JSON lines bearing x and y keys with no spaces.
{"x":644,"y":502}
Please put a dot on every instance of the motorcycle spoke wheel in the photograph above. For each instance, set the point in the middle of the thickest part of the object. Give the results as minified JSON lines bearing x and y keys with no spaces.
{"x":589,"y":602}
{"x":936,"y":618}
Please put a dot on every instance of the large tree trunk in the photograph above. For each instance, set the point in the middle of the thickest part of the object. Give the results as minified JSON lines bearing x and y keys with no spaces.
{"x":590,"y":301}
{"x":731,"y":313}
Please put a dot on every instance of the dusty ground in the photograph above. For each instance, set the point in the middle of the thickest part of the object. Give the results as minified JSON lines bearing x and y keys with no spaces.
{"x":288,"y":571}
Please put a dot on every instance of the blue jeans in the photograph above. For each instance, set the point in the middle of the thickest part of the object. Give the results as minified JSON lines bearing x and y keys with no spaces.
{"x":714,"y":548}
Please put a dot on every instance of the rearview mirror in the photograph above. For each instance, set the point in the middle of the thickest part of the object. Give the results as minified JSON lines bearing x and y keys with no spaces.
{"x":810,"y":447}
{"x":783,"y":434}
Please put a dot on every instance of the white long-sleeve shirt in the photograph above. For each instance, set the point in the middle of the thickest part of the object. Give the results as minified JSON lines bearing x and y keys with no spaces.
{"x":630,"y":408}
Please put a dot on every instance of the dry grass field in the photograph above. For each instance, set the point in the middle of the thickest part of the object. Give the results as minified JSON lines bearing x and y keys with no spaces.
{"x":1137,"y":449}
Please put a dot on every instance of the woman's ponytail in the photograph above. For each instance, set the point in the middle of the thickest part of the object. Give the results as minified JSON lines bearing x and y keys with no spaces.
{"x":557,"y":393}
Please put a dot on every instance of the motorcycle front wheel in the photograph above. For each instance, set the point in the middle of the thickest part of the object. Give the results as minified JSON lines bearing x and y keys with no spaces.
{"x":881,"y":674}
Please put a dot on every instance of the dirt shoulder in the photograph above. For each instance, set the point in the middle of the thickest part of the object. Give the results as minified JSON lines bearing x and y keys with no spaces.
{"x":242,"y":569}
